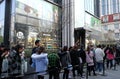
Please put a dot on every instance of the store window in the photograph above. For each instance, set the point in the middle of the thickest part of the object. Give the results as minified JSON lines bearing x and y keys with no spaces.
{"x":37,"y":22}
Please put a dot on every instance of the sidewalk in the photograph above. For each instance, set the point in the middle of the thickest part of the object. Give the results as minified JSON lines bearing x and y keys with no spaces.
{"x":109,"y":74}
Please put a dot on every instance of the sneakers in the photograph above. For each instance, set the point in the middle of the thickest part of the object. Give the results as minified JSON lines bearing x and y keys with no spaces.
{"x":82,"y":76}
{"x":95,"y":74}
{"x":100,"y":73}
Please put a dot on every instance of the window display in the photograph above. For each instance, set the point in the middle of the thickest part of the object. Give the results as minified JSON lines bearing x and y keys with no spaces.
{"x":39,"y":21}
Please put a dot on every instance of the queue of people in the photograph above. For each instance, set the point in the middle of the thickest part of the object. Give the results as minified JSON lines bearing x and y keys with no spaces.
{"x":11,"y":61}
{"x":68,"y":59}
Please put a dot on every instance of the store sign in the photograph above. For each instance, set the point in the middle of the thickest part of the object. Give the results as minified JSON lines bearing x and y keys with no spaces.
{"x":20,"y":35}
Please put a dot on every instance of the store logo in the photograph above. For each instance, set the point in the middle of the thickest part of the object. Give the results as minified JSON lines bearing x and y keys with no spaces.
{"x":20,"y":35}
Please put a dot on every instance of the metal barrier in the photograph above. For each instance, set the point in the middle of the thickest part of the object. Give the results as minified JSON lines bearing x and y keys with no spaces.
{"x":87,"y":72}
{"x":87,"y":76}
{"x":115,"y":63}
{"x":104,"y":68}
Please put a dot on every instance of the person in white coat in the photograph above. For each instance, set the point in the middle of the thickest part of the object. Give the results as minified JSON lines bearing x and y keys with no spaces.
{"x":99,"y":54}
{"x":40,"y":62}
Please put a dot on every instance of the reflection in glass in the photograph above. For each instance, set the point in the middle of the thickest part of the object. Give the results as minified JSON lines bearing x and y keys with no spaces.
{"x":40,"y":21}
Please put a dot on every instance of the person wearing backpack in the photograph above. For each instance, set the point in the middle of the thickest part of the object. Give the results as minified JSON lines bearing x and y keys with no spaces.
{"x":37,"y":44}
{"x":54,"y":65}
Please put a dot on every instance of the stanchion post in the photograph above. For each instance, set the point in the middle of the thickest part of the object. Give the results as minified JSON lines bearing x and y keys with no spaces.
{"x":87,"y":71}
{"x":115,"y":64}
{"x":104,"y":68}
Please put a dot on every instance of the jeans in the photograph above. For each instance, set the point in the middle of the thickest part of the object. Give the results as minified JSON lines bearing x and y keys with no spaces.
{"x":111,"y":63}
{"x":99,"y":66}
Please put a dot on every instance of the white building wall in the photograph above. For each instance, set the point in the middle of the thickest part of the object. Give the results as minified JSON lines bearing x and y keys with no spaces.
{"x":79,"y":13}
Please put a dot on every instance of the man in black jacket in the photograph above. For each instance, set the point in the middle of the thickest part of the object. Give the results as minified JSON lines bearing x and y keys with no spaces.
{"x":82,"y":55}
{"x":75,"y":60}
{"x":37,"y":44}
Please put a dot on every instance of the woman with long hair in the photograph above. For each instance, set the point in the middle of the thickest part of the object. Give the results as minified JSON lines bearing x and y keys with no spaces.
{"x":90,"y":62}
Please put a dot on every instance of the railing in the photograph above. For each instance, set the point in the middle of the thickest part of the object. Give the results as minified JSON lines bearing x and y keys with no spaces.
{"x":85,"y":67}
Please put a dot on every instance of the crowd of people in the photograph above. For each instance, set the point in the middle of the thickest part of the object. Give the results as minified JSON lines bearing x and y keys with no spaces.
{"x":70,"y":60}
{"x":11,"y":60}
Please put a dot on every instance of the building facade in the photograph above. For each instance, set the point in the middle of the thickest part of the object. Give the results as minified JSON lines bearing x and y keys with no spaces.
{"x":111,"y":27}
{"x":87,"y":19}
{"x":109,"y":7}
{"x":53,"y":22}
{"x":110,"y":18}
{"x":31,"y":20}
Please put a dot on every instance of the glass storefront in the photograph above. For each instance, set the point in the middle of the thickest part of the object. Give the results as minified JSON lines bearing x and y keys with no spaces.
{"x":36,"y":20}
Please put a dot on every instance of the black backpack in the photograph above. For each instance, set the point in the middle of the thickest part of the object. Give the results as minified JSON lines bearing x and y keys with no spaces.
{"x":33,"y":51}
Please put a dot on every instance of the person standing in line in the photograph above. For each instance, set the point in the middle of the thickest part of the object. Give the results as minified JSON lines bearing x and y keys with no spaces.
{"x":5,"y":62}
{"x":75,"y":60}
{"x":40,"y":62}
{"x":37,"y":44}
{"x":65,"y":61}
{"x":90,"y":61}
{"x":14,"y":61}
{"x":99,"y":55}
{"x":109,"y":57}
{"x":54,"y":65}
{"x":82,"y":55}
{"x":2,"y":47}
